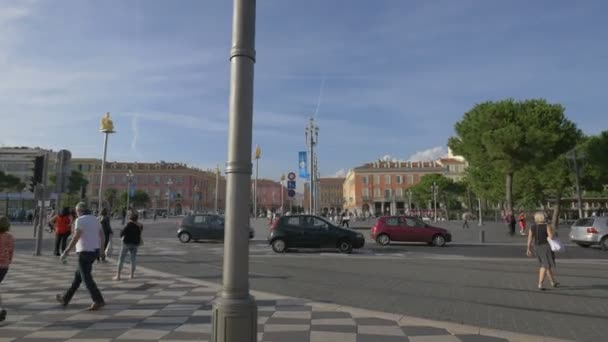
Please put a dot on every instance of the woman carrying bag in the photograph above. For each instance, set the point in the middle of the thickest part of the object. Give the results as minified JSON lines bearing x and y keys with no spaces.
{"x":131,"y":240}
{"x":540,"y":233}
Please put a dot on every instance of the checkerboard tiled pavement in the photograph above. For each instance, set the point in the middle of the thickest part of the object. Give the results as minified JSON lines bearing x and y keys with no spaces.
{"x":163,"y":307}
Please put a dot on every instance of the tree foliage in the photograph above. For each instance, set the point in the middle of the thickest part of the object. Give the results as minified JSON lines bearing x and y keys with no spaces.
{"x":139,"y":199}
{"x":10,"y":182}
{"x":448,"y":191}
{"x":504,"y":137}
{"x":76,"y":182}
{"x":110,"y":195}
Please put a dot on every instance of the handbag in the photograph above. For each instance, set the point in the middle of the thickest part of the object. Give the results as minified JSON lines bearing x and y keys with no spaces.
{"x":109,"y":249}
{"x":556,"y":245}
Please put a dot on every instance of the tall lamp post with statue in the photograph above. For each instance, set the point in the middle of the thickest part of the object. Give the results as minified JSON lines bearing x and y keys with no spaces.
{"x":107,"y":128}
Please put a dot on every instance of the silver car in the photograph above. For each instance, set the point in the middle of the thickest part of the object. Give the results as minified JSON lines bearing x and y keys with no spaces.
{"x":590,"y":231}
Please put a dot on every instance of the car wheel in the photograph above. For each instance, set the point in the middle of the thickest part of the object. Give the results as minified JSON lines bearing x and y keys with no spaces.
{"x":279,"y":246}
{"x":345,"y":247}
{"x":438,"y":240}
{"x":383,"y":239}
{"x":604,"y":243}
{"x":184,"y":237}
{"x":584,"y":245}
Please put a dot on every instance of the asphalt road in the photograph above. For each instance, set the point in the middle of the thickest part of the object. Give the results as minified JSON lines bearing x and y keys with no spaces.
{"x":489,"y":285}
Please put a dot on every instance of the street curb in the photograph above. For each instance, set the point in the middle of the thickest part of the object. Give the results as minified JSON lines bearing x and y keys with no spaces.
{"x":451,"y":327}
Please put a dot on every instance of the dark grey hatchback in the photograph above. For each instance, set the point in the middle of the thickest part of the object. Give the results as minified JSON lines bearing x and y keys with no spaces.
{"x":203,"y":227}
{"x":306,"y":231}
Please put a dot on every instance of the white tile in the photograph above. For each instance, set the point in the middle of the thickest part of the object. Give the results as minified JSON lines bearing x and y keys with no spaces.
{"x":286,"y":327}
{"x":143,"y":334}
{"x":334,"y":321}
{"x":53,"y":334}
{"x":391,"y":330}
{"x":137,"y":313}
{"x":292,"y":314}
{"x":437,"y":338}
{"x":326,"y":336}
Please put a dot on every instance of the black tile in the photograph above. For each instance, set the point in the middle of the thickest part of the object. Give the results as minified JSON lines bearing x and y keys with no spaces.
{"x":176,"y":335}
{"x":329,"y":314}
{"x":198,"y":320}
{"x":95,"y":333}
{"x":266,"y":302}
{"x":291,"y":336}
{"x":294,"y":308}
{"x":480,"y":338}
{"x":423,"y":331}
{"x":278,"y":320}
{"x":155,"y":326}
{"x":381,"y":338}
{"x":334,"y":328}
{"x":374,"y":321}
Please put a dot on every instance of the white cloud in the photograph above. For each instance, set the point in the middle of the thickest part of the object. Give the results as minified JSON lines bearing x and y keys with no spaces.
{"x":341,"y":173}
{"x":429,"y":154}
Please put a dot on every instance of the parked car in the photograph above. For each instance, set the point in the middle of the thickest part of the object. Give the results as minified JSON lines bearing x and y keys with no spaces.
{"x":203,"y":227}
{"x":590,"y":231}
{"x":307,"y":231}
{"x":408,"y":229}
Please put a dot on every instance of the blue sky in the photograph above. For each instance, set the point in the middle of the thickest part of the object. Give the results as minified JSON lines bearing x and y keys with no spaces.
{"x":382,"y":77}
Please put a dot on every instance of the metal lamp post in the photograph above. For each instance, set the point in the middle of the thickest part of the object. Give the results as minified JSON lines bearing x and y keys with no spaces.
{"x":258,"y":154}
{"x":195,"y":197}
{"x":480,"y":213}
{"x":107,"y":128}
{"x":169,"y":183}
{"x":217,"y":186}
{"x":235,"y":310}
{"x":435,"y":189}
{"x":282,"y":191}
{"x":311,"y":133}
{"x":129,"y":180}
{"x":572,"y":155}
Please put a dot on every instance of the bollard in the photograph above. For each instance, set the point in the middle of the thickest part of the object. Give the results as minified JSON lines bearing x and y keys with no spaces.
{"x":482,"y":236}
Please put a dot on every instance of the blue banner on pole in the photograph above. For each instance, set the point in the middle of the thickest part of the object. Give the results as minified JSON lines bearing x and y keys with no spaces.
{"x":131,"y":190}
{"x":302,"y":165}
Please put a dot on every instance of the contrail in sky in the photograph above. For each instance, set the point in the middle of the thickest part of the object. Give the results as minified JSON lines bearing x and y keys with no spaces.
{"x":320,"y":97}
{"x":135,"y":132}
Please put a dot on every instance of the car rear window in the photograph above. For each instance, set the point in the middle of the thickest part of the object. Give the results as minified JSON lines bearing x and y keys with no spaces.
{"x":586,"y":222}
{"x":292,"y":221}
{"x":392,"y":221}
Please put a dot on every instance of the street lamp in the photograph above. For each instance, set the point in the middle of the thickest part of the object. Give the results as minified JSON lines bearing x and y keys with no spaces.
{"x":435,"y":189}
{"x":129,"y":180}
{"x":409,"y":196}
{"x":572,"y":155}
{"x":195,"y":197}
{"x":107,"y":128}
{"x":480,"y":213}
{"x":311,"y":133}
{"x":169,"y":183}
{"x":258,"y":154}
{"x":217,"y":186}
{"x":282,"y":191}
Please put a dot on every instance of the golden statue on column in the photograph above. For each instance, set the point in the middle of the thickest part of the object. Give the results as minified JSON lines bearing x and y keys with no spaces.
{"x":107,"y":126}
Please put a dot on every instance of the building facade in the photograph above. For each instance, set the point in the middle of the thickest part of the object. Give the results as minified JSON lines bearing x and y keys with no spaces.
{"x":330,"y":196}
{"x":381,"y":187}
{"x":173,"y":187}
{"x":269,"y":196}
{"x":19,"y":162}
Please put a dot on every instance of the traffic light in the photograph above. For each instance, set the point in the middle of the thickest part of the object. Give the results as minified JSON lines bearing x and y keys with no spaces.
{"x":38,"y":169}
{"x":31,"y":185}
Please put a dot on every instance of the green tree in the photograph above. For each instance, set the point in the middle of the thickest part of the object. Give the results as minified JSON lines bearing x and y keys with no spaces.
{"x":10,"y":182}
{"x":139,"y":199}
{"x":449,"y":192}
{"x":595,"y":153}
{"x":110,"y":195}
{"x":509,"y":135}
{"x":76,"y":182}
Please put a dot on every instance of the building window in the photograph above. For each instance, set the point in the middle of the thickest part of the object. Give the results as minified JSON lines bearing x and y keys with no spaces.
{"x":399,"y":179}
{"x":123,"y":180}
{"x":156,"y":180}
{"x":399,"y":192}
{"x":387,"y":179}
{"x":365,"y":192}
{"x":179,"y":180}
{"x":112,"y":180}
{"x":410,"y":179}
{"x":387,"y":193}
{"x":365,"y":180}
{"x":376,"y":179}
{"x":376,"y":192}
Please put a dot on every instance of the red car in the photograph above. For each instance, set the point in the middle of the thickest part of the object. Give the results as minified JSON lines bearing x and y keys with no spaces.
{"x":408,"y":229}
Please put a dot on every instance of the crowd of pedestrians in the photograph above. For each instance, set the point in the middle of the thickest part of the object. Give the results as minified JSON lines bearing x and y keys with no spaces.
{"x":91,"y":238}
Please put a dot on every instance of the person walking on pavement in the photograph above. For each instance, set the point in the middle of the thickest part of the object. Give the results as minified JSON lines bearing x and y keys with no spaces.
{"x":345,"y":219}
{"x":521,"y":219}
{"x":466,"y":217}
{"x":104,"y":219}
{"x":88,"y":240}
{"x":63,"y":229}
{"x":7,"y":248}
{"x":538,"y":234}
{"x":510,"y":219}
{"x":131,"y":239}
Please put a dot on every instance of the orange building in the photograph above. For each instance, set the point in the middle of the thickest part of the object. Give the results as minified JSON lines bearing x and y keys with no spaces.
{"x":381,"y":187}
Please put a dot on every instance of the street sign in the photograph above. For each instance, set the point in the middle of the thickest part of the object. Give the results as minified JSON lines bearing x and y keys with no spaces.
{"x":291,"y":185}
{"x":291,"y":193}
{"x":291,"y":176}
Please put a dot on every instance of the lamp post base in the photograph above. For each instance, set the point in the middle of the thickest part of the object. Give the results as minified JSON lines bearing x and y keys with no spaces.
{"x":235,"y":320}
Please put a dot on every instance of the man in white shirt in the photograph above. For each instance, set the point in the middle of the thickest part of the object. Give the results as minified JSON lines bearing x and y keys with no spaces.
{"x":88,"y":240}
